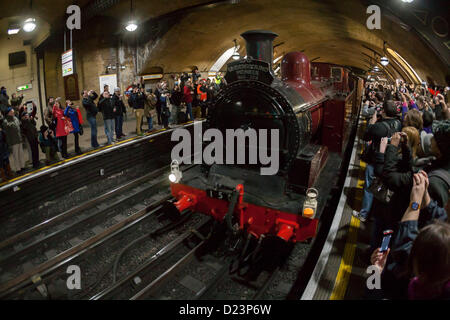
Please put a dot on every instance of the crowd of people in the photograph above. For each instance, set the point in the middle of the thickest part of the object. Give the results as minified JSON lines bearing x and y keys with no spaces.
{"x":406,"y":148}
{"x":189,"y":98}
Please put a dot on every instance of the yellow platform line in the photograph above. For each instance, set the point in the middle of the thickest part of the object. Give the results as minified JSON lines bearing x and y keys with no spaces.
{"x":345,"y":267}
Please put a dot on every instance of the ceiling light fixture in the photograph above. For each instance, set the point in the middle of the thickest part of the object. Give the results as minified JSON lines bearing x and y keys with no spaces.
{"x":13,"y":29}
{"x":131,"y":26}
{"x":29,"y":25}
{"x":407,"y":1}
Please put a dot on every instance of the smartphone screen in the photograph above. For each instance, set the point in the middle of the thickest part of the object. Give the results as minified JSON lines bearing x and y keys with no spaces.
{"x":386,"y":239}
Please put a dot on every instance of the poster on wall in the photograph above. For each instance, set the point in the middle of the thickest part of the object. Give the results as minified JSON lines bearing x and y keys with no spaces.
{"x":67,"y":63}
{"x":71,"y":89}
{"x":110,"y":80}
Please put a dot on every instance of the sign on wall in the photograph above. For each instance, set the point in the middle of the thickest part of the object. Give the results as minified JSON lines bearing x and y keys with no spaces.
{"x":110,"y":80}
{"x":152,"y":77}
{"x":24,"y":87}
{"x":71,"y":90}
{"x":67,"y":63}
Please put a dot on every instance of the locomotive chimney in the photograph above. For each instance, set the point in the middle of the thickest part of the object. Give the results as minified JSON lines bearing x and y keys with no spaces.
{"x":259,"y":45}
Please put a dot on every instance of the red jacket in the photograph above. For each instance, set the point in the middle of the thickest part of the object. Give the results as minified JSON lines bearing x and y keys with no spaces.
{"x":187,"y":94}
{"x":63,"y":126}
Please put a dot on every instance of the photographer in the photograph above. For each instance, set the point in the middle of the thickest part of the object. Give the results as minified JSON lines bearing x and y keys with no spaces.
{"x":4,"y":101}
{"x":441,"y":110}
{"x":71,"y":113}
{"x":164,"y":99}
{"x":176,"y":99}
{"x":188,"y":98}
{"x":106,"y":107}
{"x":29,"y":131}
{"x":377,"y":129}
{"x":48,"y":145}
{"x":418,"y":263}
{"x":137,"y":102}
{"x":91,"y":114}
{"x":16,"y":101}
{"x":150,"y":105}
{"x":120,"y":111}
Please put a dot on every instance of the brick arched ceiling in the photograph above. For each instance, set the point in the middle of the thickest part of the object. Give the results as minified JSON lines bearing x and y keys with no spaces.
{"x":333,"y":30}
{"x":201,"y":30}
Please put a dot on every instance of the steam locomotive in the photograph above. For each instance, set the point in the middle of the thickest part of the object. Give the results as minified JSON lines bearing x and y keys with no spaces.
{"x":311,"y":119}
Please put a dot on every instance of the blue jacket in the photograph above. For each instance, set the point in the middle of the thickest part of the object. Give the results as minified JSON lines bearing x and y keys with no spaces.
{"x":73,"y":115}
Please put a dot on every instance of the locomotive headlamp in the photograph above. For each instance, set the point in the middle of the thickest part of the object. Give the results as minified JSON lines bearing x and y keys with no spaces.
{"x":175,"y":174}
{"x":310,"y":204}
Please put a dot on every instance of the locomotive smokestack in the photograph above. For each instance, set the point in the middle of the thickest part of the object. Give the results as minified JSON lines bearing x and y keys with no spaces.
{"x":259,"y":45}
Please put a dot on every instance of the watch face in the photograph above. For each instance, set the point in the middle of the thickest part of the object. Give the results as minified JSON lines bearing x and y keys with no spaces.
{"x":415,"y":206}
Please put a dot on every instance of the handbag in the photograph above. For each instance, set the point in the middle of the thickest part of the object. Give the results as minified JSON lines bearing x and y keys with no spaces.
{"x":380,"y":191}
{"x":81,"y":130}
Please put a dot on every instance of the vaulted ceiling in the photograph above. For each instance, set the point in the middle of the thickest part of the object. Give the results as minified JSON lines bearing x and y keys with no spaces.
{"x":328,"y":30}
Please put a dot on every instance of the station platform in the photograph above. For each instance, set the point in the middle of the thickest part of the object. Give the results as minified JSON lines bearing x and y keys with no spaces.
{"x":340,"y":272}
{"x":129,"y":129}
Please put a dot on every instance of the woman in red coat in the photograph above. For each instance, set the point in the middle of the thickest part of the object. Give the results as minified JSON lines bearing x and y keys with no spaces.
{"x":63,"y":128}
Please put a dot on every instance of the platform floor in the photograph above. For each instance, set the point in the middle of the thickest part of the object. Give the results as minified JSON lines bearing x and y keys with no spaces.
{"x":340,"y":272}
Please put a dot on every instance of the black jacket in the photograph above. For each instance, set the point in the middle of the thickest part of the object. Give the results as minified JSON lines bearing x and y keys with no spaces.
{"x":398,"y":176}
{"x":89,"y":105}
{"x":29,"y":129}
{"x":137,"y":100}
{"x":119,"y":105}
{"x":379,"y":130}
{"x":106,"y":107}
{"x":176,"y":98}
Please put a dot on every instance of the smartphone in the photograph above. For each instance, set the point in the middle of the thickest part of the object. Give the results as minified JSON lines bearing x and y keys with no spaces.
{"x":387,"y":234}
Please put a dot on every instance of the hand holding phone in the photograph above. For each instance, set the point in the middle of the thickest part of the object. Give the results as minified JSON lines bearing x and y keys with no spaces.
{"x":387,"y":234}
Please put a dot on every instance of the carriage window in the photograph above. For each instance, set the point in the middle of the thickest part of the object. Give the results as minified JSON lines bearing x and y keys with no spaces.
{"x":336,"y":74}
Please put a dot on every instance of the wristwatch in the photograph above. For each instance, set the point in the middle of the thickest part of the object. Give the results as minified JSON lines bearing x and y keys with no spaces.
{"x":415,"y":206}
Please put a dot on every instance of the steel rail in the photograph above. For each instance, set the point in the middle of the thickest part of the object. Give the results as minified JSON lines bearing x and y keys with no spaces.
{"x":71,"y":212}
{"x":74,"y":252}
{"x":161,"y":254}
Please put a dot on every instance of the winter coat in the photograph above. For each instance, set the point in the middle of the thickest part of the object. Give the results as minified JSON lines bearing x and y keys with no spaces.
{"x":395,"y":277}
{"x":11,"y":127}
{"x":4,"y":150}
{"x":379,"y":130}
{"x":150,"y":104}
{"x":398,"y":176}
{"x":4,"y":103}
{"x":72,"y":114}
{"x":187,"y":94}
{"x":63,"y":126}
{"x":29,"y":129}
{"x":106,"y":107}
{"x":176,"y":98}
{"x":89,"y":105}
{"x":49,"y":142}
{"x":137,"y":100}
{"x":118,"y":105}
{"x":48,"y":115}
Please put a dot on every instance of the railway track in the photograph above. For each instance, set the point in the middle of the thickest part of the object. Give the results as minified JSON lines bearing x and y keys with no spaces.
{"x":55,"y":243}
